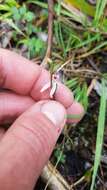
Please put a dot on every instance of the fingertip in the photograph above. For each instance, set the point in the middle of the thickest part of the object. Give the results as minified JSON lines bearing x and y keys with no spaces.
{"x":64,"y":95}
{"x":75,"y":112}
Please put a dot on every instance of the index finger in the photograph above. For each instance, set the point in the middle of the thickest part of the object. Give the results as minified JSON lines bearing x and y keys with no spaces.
{"x":17,"y":73}
{"x":26,"y":78}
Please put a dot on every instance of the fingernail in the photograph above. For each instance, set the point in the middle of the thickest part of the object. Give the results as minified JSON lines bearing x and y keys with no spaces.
{"x":55,"y":112}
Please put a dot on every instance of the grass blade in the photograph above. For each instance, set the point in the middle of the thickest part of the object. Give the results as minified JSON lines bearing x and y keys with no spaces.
{"x":40,"y":4}
{"x":14,"y":26}
{"x":99,"y":10}
{"x":94,"y":50}
{"x":100,"y":134}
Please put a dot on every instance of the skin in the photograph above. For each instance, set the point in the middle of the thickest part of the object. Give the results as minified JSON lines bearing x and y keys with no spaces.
{"x":27,"y":145}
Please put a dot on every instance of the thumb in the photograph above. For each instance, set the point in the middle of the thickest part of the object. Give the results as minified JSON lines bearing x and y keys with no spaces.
{"x":27,"y":145}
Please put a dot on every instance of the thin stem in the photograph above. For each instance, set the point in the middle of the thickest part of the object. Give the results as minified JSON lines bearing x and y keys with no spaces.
{"x":50,"y":32}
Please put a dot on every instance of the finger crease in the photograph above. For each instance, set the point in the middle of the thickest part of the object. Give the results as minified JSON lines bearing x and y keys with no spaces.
{"x":29,"y":145}
{"x":37,"y":136}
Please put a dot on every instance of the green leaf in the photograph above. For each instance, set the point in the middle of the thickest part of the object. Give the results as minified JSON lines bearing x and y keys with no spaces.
{"x":11,"y":3}
{"x":16,"y":14}
{"x":12,"y":24}
{"x":23,"y":10}
{"x":59,"y":154}
{"x":35,"y":45}
{"x":39,"y":45}
{"x":42,"y":5}
{"x":82,"y":5}
{"x":29,"y":16}
{"x":4,"y":8}
{"x":5,"y":16}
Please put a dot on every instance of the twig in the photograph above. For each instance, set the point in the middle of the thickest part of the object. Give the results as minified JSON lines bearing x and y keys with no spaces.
{"x":56,"y":181}
{"x":50,"y":32}
{"x":78,"y":182}
{"x":91,"y":87}
{"x":93,"y":64}
{"x":84,"y":71}
{"x":63,"y":65}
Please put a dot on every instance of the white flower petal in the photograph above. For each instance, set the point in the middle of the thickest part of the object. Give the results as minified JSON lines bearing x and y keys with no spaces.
{"x":45,"y":87}
{"x":53,"y":89}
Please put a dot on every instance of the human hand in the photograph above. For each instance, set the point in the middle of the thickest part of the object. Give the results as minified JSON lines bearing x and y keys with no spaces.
{"x":26,"y":146}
